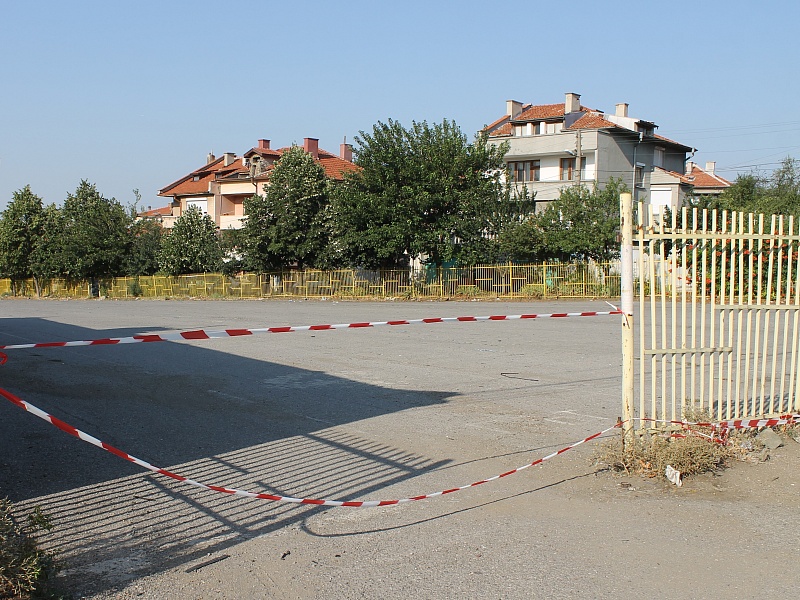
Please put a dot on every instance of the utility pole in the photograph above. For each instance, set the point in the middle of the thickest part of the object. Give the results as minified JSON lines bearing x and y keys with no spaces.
{"x":578,"y":157}
{"x":626,"y":306}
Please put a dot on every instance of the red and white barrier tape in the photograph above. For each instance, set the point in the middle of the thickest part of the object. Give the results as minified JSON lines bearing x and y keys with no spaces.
{"x":201,"y":334}
{"x":263,"y":496}
{"x":735,"y":423}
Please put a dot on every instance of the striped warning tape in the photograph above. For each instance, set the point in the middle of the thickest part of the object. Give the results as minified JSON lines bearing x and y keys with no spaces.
{"x":735,"y":423}
{"x":201,"y":334}
{"x":263,"y":496}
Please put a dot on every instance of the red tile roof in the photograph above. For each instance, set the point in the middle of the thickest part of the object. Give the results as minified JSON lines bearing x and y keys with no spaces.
{"x":703,"y":179}
{"x":156,"y":212}
{"x":542,"y":111}
{"x":262,"y":152}
{"x":593,"y":120}
{"x":504,"y":129}
{"x":197,"y":182}
{"x":699,"y":179}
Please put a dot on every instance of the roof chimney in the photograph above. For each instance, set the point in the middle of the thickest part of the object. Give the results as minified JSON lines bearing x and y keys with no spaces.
{"x":210,"y":158}
{"x":346,"y":152}
{"x":513,"y":108}
{"x":311,"y":145}
{"x":572,"y":103}
{"x":689,"y":167}
{"x":621,"y":109}
{"x":263,"y":144}
{"x":711,"y":166}
{"x":229,"y":158}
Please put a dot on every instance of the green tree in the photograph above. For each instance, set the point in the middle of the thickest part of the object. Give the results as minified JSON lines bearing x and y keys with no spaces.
{"x":777,"y":193}
{"x":94,"y":240}
{"x":425,"y":191}
{"x":192,"y":246}
{"x":21,"y":225}
{"x":581,"y":223}
{"x":46,"y":257}
{"x":145,"y":245}
{"x":288,"y":226}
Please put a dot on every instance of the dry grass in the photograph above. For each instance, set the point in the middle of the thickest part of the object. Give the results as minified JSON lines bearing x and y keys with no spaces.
{"x":24,"y":568}
{"x":691,"y":451}
{"x":649,"y":455}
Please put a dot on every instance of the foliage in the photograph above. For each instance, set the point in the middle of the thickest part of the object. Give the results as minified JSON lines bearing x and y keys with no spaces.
{"x":24,"y":567}
{"x":192,"y":246}
{"x":710,"y":260}
{"x":145,"y":243}
{"x":580,"y":224}
{"x":94,"y":234}
{"x":778,"y":193}
{"x":289,"y":225}
{"x":21,"y":226}
{"x":45,"y":259}
{"x":422,"y":191}
{"x":230,"y":241}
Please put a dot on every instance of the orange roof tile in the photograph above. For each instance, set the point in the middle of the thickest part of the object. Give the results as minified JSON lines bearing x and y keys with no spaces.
{"x":592,"y":120}
{"x":502,"y":130}
{"x":156,"y":212}
{"x":336,"y":167}
{"x":704,"y":179}
{"x":541,"y":111}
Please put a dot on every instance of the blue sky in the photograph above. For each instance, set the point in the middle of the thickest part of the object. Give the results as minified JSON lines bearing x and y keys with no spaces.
{"x":135,"y":94}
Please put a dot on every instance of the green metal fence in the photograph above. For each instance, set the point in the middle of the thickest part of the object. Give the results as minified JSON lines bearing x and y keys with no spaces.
{"x":506,"y":281}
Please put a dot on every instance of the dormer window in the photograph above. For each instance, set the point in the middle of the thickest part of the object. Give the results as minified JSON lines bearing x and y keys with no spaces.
{"x":196,"y":178}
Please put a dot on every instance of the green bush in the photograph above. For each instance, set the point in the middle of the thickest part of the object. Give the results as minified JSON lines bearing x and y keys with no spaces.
{"x":135,"y":288}
{"x":25,"y":569}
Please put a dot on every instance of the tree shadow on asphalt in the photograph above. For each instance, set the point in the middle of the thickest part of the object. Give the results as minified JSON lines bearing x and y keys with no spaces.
{"x":213,"y":416}
{"x":307,"y":529}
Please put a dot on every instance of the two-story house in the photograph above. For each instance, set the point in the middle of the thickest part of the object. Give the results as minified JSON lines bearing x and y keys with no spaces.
{"x":220,"y":187}
{"x":556,"y":145}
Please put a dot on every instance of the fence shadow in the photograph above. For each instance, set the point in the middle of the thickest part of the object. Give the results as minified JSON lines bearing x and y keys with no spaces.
{"x":205,"y":413}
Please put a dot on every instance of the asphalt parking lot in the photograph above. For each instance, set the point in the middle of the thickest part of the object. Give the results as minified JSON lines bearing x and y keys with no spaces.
{"x":360,"y":414}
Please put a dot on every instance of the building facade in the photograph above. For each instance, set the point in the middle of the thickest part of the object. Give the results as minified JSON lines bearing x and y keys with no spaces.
{"x":552,"y":146}
{"x":220,"y":187}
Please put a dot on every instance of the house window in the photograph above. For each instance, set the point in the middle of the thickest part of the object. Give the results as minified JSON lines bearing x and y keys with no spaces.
{"x":639,"y":176}
{"x":567,"y":168}
{"x":658,"y":156}
{"x":535,"y":170}
{"x":523,"y":171}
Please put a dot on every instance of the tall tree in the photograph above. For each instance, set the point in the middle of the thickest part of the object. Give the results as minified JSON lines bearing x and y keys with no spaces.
{"x":21,"y":225}
{"x":95,"y":234}
{"x":581,"y":223}
{"x":145,"y":245}
{"x":192,"y":246}
{"x":46,"y":257}
{"x":288,"y":226}
{"x":424,"y":191}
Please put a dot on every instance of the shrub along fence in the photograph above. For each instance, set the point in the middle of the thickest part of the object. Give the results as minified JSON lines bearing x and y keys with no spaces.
{"x":507,"y":281}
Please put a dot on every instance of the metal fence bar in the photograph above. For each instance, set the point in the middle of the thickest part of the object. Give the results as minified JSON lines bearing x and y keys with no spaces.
{"x":719,"y":313}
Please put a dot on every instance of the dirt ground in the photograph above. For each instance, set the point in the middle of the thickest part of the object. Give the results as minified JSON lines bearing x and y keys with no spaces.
{"x":380,"y":413}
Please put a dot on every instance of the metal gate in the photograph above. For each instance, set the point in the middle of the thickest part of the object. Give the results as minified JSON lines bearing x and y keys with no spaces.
{"x":718,"y":317}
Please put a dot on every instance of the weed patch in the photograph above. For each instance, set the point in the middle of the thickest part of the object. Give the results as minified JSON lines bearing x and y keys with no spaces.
{"x":25,"y":569}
